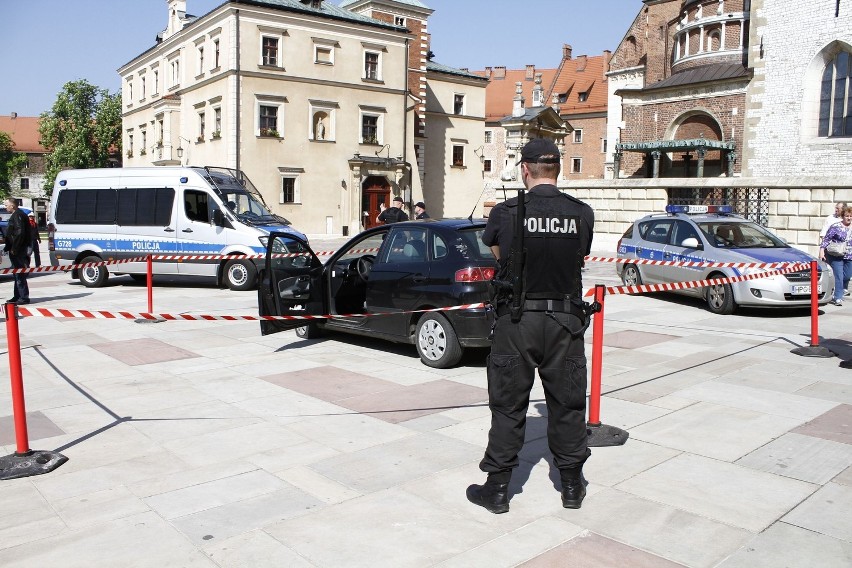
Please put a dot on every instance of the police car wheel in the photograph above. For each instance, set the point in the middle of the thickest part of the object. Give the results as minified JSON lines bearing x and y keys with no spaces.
{"x":437,"y":343}
{"x":240,"y":274}
{"x":630,"y":276}
{"x":92,"y":276}
{"x":310,"y":331}
{"x":720,"y":298}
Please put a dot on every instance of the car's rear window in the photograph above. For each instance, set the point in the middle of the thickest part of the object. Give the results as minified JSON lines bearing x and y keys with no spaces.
{"x":469,"y":244}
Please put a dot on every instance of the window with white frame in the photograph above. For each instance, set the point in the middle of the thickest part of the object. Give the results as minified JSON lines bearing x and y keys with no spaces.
{"x":458,"y":156}
{"x":488,"y":136}
{"x":143,"y":140}
{"x":578,"y":136}
{"x":161,"y":131}
{"x":289,"y":189}
{"x":270,"y":115}
{"x":129,"y":143}
{"x":202,"y":124}
{"x":269,"y":55}
{"x":458,"y":103}
{"x":370,"y":131}
{"x":576,"y":165}
{"x":322,"y":120}
{"x":216,"y":53}
{"x":156,"y":82}
{"x":174,"y":67}
{"x":399,"y":21}
{"x":130,"y":90}
{"x":217,"y":122}
{"x":142,"y":87}
{"x":372,"y":65}
{"x":486,"y":165}
{"x":200,"y":70}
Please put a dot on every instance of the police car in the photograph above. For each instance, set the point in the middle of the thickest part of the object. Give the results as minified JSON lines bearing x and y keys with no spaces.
{"x":715,"y":234}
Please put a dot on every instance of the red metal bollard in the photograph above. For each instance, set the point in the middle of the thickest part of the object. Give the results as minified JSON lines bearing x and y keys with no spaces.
{"x":600,"y":434}
{"x":19,"y":409}
{"x":24,"y":462}
{"x":150,"y":285}
{"x":814,"y":349}
{"x":597,"y":359}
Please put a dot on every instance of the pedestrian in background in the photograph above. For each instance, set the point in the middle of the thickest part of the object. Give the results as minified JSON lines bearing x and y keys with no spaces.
{"x":18,"y":240}
{"x":36,"y":239}
{"x":420,"y":210}
{"x":393,"y":214}
{"x":836,"y":250}
{"x":547,"y":332}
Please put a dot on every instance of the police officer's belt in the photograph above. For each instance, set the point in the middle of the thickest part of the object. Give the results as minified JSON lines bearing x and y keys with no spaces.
{"x":564,"y":306}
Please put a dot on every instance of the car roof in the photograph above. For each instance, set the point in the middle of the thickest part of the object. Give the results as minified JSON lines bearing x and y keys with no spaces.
{"x":727,"y":217}
{"x":448,"y":223}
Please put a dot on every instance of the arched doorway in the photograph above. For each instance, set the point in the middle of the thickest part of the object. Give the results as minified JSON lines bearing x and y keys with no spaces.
{"x":695,"y":125}
{"x":375,"y":190}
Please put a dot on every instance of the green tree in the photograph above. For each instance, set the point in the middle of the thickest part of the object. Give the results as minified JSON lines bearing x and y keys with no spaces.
{"x":81,"y":129}
{"x":11,"y":162}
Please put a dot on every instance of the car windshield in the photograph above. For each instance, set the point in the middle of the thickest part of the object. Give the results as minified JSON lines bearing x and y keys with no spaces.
{"x":728,"y":234}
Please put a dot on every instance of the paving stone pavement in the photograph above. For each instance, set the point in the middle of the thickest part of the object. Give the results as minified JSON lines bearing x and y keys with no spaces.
{"x":204,"y":443}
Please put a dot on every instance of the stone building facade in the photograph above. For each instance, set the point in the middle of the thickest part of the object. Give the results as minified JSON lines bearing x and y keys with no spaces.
{"x":678,"y":90}
{"x":28,"y":185}
{"x":324,"y":107}
{"x":799,"y":116}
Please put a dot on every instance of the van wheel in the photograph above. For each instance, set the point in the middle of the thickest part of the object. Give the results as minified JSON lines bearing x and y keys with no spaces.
{"x":240,"y":275}
{"x":92,"y":276}
{"x":437,"y":343}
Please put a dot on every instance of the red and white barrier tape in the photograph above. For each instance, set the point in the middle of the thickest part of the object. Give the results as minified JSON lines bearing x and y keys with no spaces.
{"x":688,"y":263}
{"x":100,"y":314}
{"x":668,"y":287}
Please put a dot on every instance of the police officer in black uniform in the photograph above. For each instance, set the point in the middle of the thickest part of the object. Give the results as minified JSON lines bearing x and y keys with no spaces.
{"x":544,"y":331}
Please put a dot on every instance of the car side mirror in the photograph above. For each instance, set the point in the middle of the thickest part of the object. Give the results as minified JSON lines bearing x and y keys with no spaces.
{"x":218,"y":218}
{"x":691,"y":242}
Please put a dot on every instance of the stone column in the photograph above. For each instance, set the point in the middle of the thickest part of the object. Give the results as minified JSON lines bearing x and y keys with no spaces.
{"x":701,"y":153}
{"x":656,"y":156}
{"x":617,"y":165}
{"x":732,"y":157}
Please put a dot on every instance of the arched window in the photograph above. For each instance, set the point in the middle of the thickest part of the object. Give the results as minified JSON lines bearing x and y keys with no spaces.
{"x":835,"y":102}
{"x":714,"y":41}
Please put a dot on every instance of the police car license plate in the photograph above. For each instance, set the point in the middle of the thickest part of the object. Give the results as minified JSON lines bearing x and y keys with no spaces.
{"x":803,"y":289}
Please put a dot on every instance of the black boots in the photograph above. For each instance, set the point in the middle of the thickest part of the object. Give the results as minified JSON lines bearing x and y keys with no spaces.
{"x":573,"y":487}
{"x":494,"y":495}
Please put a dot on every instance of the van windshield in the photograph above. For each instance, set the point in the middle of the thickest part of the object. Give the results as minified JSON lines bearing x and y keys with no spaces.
{"x":240,"y":195}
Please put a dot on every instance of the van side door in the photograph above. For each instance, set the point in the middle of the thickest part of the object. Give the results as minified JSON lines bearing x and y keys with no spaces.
{"x":146,"y":224}
{"x":196,"y":232}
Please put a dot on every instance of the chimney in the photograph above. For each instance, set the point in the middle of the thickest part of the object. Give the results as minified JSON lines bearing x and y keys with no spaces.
{"x":566,"y":51}
{"x":14,"y":115}
{"x":530,"y":73}
{"x":488,"y":72}
{"x":581,"y":63}
{"x":500,"y":72}
{"x":518,"y":101}
{"x":538,"y":92}
{"x":607,"y":57}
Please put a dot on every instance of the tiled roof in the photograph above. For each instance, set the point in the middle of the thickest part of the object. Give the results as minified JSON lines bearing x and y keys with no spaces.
{"x":24,"y":133}
{"x":327,"y":10}
{"x":415,"y":3}
{"x":439,"y":68}
{"x":500,"y":92}
{"x":583,"y":74}
{"x":703,"y":74}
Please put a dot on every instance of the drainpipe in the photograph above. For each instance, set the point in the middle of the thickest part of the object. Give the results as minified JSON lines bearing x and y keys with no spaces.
{"x":238,"y":109}
{"x":405,"y":130}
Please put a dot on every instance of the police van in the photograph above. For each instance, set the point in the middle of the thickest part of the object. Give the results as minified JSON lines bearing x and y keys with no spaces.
{"x":122,"y":213}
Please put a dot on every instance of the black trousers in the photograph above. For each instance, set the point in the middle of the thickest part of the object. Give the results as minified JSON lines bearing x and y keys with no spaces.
{"x":22,"y":289}
{"x":537,"y":341}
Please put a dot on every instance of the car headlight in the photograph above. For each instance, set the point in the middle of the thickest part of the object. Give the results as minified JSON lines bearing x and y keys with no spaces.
{"x":753,"y":270}
{"x":264,"y":240}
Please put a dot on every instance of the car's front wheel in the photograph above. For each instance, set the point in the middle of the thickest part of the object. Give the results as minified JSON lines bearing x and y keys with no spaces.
{"x":93,"y":276}
{"x":437,"y":342}
{"x":720,"y":297}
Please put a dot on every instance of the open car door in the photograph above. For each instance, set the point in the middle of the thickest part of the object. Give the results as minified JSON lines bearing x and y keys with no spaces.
{"x":290,"y":284}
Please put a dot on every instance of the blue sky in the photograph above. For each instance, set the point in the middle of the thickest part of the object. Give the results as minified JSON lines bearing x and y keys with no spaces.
{"x":46,"y":43}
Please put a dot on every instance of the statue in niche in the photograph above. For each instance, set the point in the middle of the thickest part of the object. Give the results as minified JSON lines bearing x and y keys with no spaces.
{"x":320,"y":129}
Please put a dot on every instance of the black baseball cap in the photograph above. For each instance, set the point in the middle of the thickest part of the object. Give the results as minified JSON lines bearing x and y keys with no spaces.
{"x":540,"y":151}
{"x":398,"y":198}
{"x":420,"y":204}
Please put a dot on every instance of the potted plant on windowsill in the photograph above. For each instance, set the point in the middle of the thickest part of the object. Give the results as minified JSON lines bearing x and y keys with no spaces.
{"x":159,"y":143}
{"x":200,"y":139}
{"x":130,"y":153}
{"x":142,"y":152}
{"x":270,"y":132}
{"x":216,"y":135}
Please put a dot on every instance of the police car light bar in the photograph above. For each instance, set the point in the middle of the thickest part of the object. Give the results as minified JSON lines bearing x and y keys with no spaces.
{"x":697,"y":209}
